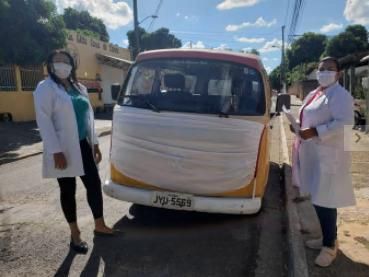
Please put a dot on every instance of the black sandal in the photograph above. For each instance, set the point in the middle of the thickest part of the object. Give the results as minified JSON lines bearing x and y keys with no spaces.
{"x":81,"y":248}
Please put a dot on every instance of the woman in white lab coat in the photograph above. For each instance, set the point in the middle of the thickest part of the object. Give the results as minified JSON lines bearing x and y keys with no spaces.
{"x":323,"y":164}
{"x":65,"y":118}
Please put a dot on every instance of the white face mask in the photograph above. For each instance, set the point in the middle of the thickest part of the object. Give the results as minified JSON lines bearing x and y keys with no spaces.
{"x":62,"y":70}
{"x":326,"y":78}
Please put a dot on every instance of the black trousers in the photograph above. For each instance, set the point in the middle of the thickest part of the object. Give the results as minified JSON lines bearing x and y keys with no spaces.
{"x":328,"y":223}
{"x":92,"y":182}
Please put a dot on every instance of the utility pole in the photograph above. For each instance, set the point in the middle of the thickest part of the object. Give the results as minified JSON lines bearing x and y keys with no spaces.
{"x":283,"y":70}
{"x":135,"y":20}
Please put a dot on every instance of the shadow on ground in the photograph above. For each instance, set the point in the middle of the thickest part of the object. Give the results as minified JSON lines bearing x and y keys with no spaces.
{"x":157,"y":242}
{"x":343,"y":266}
{"x":15,"y":135}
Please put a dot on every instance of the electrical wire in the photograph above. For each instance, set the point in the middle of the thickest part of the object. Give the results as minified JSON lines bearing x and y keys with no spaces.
{"x":286,"y":15}
{"x":294,"y":19}
{"x":156,"y":14}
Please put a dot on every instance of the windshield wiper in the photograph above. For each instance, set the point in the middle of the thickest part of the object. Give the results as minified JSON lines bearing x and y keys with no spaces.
{"x":151,"y":105}
{"x":223,"y":114}
{"x":145,"y":99}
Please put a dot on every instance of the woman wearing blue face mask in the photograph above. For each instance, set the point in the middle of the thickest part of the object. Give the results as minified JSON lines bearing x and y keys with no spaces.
{"x":323,"y":166}
{"x":65,"y":118}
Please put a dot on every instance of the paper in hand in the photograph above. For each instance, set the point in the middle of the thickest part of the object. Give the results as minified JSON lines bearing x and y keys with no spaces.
{"x":291,"y":119}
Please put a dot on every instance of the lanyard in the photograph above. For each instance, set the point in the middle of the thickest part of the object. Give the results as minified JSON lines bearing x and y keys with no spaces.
{"x":316,"y":95}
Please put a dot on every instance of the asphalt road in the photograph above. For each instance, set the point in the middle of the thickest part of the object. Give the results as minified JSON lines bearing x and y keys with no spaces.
{"x":34,"y":236}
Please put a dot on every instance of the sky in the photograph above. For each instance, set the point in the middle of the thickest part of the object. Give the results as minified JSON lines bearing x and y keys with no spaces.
{"x":234,"y":24}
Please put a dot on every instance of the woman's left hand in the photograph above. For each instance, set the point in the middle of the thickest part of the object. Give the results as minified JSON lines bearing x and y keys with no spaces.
{"x":308,"y":133}
{"x":98,"y":155}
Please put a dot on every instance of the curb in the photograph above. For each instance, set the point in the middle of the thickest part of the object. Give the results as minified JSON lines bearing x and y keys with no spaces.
{"x":297,"y":256}
{"x":297,"y":262}
{"x":4,"y":160}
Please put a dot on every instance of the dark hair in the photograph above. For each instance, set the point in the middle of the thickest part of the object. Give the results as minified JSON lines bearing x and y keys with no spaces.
{"x":333,"y":59}
{"x":72,"y":77}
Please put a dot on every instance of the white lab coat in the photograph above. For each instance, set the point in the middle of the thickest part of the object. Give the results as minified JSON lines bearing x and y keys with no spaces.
{"x":58,"y":128}
{"x":324,"y":165}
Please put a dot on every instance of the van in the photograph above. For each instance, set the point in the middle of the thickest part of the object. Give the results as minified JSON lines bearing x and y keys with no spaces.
{"x":190,"y":132}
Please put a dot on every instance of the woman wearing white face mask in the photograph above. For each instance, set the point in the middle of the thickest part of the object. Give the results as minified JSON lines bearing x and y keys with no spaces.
{"x":65,"y":118}
{"x":323,"y":166}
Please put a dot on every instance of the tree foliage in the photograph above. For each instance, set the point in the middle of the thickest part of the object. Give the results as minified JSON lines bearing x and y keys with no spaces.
{"x":4,"y":4}
{"x":254,"y":51}
{"x":83,"y":21}
{"x":30,"y":29}
{"x":306,"y":49}
{"x":305,"y":53}
{"x":300,"y":72}
{"x":353,"y":40}
{"x":159,"y":39}
{"x":275,"y":78}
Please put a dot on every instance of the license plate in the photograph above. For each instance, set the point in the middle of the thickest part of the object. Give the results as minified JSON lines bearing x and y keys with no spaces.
{"x":172,"y":200}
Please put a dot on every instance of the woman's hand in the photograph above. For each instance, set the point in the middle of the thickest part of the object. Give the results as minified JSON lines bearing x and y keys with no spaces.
{"x":308,"y":133}
{"x":60,"y":161}
{"x":97,"y":152}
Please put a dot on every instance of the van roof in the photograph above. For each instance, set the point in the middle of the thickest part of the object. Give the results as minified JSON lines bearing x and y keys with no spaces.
{"x":223,"y":55}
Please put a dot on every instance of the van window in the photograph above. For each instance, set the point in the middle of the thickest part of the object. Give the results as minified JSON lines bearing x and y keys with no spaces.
{"x":195,"y":86}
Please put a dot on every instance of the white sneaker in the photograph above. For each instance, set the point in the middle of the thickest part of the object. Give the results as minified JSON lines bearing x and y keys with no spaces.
{"x":317,"y":244}
{"x":326,"y":257}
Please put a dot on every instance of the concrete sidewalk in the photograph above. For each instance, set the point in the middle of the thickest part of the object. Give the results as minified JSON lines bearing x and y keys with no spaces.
{"x":22,"y":140}
{"x":353,"y":231}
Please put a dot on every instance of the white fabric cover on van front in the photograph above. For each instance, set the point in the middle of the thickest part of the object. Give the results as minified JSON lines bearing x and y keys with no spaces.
{"x":190,"y":153}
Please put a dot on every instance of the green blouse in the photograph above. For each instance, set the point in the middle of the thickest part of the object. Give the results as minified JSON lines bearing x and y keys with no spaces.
{"x":80,"y":105}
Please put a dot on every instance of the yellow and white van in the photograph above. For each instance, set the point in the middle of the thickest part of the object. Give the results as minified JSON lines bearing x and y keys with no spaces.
{"x":190,"y":132}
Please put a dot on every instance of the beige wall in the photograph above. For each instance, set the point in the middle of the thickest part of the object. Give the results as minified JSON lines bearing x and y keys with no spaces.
{"x":18,"y":104}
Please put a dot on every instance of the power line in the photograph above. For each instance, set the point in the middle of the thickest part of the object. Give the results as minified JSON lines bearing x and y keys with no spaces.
{"x":156,"y":14}
{"x":286,"y":15}
{"x":295,"y":18}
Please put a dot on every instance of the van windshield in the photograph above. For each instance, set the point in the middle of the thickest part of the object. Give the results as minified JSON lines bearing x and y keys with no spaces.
{"x":194,"y":86}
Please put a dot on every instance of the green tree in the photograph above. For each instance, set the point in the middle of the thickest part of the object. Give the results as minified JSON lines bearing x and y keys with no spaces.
{"x":275,"y":78}
{"x":159,"y":39}
{"x":30,"y":29}
{"x":353,"y":40}
{"x":307,"y":48}
{"x":86,"y":23}
{"x":254,"y":51}
{"x":4,"y":4}
{"x":300,"y":72}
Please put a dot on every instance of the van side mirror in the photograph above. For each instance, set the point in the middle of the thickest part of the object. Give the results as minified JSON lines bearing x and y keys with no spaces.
{"x":115,"y":88}
{"x":283,"y":100}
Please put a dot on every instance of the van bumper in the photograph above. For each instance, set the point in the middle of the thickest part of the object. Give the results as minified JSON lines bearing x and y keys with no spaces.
{"x":200,"y":203}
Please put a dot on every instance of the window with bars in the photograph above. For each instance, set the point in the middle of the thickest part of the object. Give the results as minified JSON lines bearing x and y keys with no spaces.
{"x":7,"y":78}
{"x":31,"y":76}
